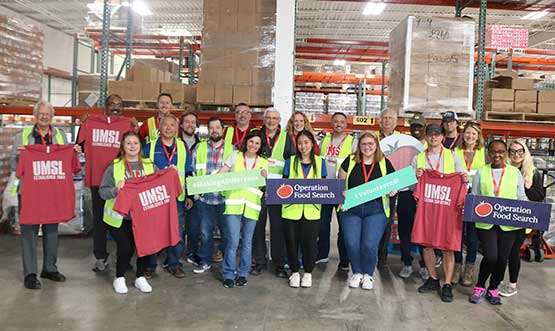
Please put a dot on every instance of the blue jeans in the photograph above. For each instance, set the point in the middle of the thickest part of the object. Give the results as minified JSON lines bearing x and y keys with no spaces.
{"x":174,"y":253}
{"x":192,"y":230}
{"x":324,"y":236}
{"x":469,"y":231}
{"x":363,"y":227}
{"x":209,"y":214}
{"x":234,"y":233}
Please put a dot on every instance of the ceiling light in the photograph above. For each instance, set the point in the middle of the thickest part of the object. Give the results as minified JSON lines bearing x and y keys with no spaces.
{"x":534,"y":15}
{"x":339,"y":62}
{"x":373,"y":8}
{"x":141,"y":8}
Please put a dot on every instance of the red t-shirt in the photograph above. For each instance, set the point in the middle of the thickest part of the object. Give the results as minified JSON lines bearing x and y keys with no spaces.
{"x":438,"y":220}
{"x":102,"y":136}
{"x":152,"y":203}
{"x":47,"y":191}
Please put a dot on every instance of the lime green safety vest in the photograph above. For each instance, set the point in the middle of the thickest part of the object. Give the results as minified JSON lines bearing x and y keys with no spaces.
{"x":448,"y":161}
{"x":296,"y":211}
{"x":152,"y":129}
{"x":507,"y":190}
{"x":378,"y":134}
{"x":111,"y":217}
{"x":228,"y":139}
{"x":181,"y":160}
{"x":58,"y":138}
{"x":202,"y":155}
{"x":478,"y":161}
{"x":276,"y":160}
{"x":245,"y":202}
{"x":383,"y":169}
{"x":344,"y":152}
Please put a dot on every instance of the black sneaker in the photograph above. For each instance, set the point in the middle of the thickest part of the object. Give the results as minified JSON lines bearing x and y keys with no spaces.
{"x":241,"y":281}
{"x":228,"y":283}
{"x":281,"y":272}
{"x":430,"y":285}
{"x":343,"y":266}
{"x":31,"y":282}
{"x":257,"y":269}
{"x":53,"y":276}
{"x":446,"y":293}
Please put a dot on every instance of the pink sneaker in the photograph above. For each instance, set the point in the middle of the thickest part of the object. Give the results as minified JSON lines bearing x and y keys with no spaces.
{"x":493,"y":297}
{"x":478,"y":295}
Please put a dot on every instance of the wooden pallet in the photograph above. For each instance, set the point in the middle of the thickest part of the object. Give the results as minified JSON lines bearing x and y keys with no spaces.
{"x":520,"y":117}
{"x":17,"y":102}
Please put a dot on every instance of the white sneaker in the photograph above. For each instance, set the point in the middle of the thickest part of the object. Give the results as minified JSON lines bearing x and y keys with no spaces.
{"x":295,"y":279}
{"x":367,"y":282}
{"x":142,"y":284}
{"x":307,"y":280}
{"x":119,"y":285}
{"x":406,"y":271}
{"x":355,"y":280}
{"x":323,"y":260}
{"x":424,"y":273}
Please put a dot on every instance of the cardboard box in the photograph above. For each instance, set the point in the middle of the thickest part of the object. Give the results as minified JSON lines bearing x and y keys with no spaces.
{"x":510,"y":79}
{"x":499,"y":94}
{"x":241,"y":94}
{"x":149,"y":90}
{"x":500,"y":106}
{"x":526,"y":96}
{"x":261,"y":95}
{"x":189,"y":93}
{"x":139,"y":73}
{"x":524,"y":83}
{"x":175,"y":89}
{"x":263,"y":76}
{"x":546,"y":96}
{"x":546,"y":108}
{"x":127,"y":90}
{"x":242,"y":76}
{"x":223,"y":94}
{"x":246,"y":22}
{"x":205,"y":93}
{"x":525,"y":107}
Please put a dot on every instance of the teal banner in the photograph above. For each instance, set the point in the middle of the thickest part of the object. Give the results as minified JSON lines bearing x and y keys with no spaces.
{"x":225,"y":182}
{"x":379,"y":187}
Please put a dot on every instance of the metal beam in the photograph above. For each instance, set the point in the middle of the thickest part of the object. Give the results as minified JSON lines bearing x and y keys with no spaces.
{"x":104,"y":53}
{"x":481,"y":59}
{"x":474,"y":4}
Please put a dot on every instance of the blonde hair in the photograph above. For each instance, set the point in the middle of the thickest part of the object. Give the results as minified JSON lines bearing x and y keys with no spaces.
{"x":527,"y":168}
{"x":290,"y":128}
{"x":479,"y":144}
{"x":378,"y":154}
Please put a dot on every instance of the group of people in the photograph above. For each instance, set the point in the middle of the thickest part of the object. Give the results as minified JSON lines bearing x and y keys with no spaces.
{"x":299,"y":233}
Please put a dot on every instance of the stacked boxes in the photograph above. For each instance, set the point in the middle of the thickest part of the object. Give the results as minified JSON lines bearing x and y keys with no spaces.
{"x":237,"y":52}
{"x":546,"y":102}
{"x":510,"y":93}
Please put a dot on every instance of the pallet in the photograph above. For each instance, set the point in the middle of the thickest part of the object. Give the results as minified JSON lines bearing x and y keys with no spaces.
{"x":520,"y":117}
{"x":17,"y":102}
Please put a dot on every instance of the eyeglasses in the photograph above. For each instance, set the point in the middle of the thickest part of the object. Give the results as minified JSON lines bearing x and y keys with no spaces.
{"x":516,"y":152}
{"x":243,"y":112}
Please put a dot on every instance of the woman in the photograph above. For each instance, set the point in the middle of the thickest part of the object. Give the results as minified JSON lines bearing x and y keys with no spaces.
{"x":470,"y":150}
{"x":520,"y":157}
{"x":128,"y":164}
{"x":298,"y":122}
{"x":495,"y":179}
{"x":242,"y":208}
{"x":364,"y":225}
{"x":300,"y":222}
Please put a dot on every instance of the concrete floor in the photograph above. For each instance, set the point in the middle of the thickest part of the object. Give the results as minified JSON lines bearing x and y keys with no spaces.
{"x":86,"y":300}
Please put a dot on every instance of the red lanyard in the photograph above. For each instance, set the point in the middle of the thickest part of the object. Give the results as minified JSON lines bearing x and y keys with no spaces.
{"x":367,"y":175}
{"x":269,"y":142}
{"x":294,"y":142}
{"x":495,"y":186}
{"x":453,"y":142}
{"x":216,"y":157}
{"x":253,"y":164}
{"x":43,"y":138}
{"x":468,"y":164}
{"x":132,"y":172}
{"x":239,"y":143}
{"x":438,"y":160}
{"x":168,"y":156}
{"x":334,"y":150}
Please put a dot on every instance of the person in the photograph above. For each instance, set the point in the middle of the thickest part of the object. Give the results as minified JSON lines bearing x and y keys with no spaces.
{"x":298,"y":122}
{"x":441,"y":159}
{"x":334,"y":149}
{"x":363,"y":225}
{"x":235,"y":135}
{"x":166,"y":151}
{"x":274,"y":143}
{"x":450,"y":124}
{"x":42,"y":133}
{"x":470,"y":150}
{"x":417,"y":127}
{"x":520,"y":157}
{"x":149,"y":129}
{"x":188,"y":126}
{"x":208,"y":158}
{"x":242,"y":210}
{"x":495,"y":179}
{"x":129,"y":163}
{"x":301,"y":221}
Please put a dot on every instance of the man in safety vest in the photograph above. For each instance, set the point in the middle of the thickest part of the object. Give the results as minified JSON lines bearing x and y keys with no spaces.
{"x":235,"y":135}
{"x":149,"y":129}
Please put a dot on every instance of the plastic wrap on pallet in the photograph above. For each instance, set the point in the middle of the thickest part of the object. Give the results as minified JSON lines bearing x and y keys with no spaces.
{"x":374,"y":104}
{"x":118,"y":17}
{"x":345,"y":103}
{"x":431,"y":66}
{"x":309,"y":102}
{"x":21,"y":55}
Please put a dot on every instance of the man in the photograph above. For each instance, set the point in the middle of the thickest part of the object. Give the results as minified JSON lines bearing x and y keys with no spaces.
{"x":334,"y":149}
{"x":235,"y":135}
{"x":150,"y":127}
{"x":189,"y":126}
{"x":450,"y":124}
{"x":165,"y":152}
{"x":208,"y":158}
{"x":41,"y":133}
{"x":436,"y":157}
{"x":417,"y":127}
{"x":274,"y":145}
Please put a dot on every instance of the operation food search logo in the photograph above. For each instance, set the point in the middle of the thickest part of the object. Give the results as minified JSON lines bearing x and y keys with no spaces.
{"x":285,"y":191}
{"x":508,"y":213}
{"x":483,"y":209}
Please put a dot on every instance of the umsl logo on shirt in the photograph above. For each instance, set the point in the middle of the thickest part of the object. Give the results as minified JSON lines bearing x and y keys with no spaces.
{"x":105,"y":138}
{"x":437,"y":194}
{"x":154,"y":197}
{"x":44,"y":170}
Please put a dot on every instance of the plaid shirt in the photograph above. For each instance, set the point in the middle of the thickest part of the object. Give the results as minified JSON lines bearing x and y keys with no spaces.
{"x":211,"y":167}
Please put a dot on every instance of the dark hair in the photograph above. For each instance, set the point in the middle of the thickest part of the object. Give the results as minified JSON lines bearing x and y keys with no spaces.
{"x":189,"y":113}
{"x":121,"y":152}
{"x":298,"y":155}
{"x":252,"y":134}
{"x":165,"y":95}
{"x":497,"y":141}
{"x":338,"y":113}
{"x":111,"y":96}
{"x":241,"y":104}
{"x":214,"y":119}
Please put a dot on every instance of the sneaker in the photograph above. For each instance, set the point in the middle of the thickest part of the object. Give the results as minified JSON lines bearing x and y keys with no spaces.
{"x":439,"y":261}
{"x":149,"y":273}
{"x":177,"y":272}
{"x":423,"y":272}
{"x":295,"y":280}
{"x":193,"y":259}
{"x":31,"y":282}
{"x":343,"y":266}
{"x":468,"y":275}
{"x":142,"y":285}
{"x":201,"y":268}
{"x":119,"y":285}
{"x":307,"y":280}
{"x":507,"y":290}
{"x":355,"y":280}
{"x":367,"y":282}
{"x":446,"y":293}
{"x":281,"y":272}
{"x":477,"y":295}
{"x":228,"y":283}
{"x":430,"y":285}
{"x":493,"y":297}
{"x":406,"y":271}
{"x":457,"y":271}
{"x":257,"y":269}
{"x":53,"y":276}
{"x":218,"y":256}
{"x":100,"y":265}
{"x":241,"y":281}
{"x":323,"y":260}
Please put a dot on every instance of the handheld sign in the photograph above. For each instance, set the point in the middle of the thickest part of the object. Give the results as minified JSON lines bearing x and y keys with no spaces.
{"x":225,"y":182}
{"x":305,"y":191}
{"x":400,"y":149}
{"x":379,"y":187}
{"x":517,"y":213}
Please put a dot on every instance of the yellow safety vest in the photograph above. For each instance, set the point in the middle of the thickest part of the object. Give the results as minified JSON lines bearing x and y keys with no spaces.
{"x":181,"y":161}
{"x":378,"y":134}
{"x":296,"y":211}
{"x":344,"y":152}
{"x":478,"y":161}
{"x":448,"y":161}
{"x":276,"y":160}
{"x":57,"y":136}
{"x":201,"y":156}
{"x":152,"y":129}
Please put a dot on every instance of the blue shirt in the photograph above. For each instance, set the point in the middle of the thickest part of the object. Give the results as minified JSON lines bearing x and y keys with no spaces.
{"x":161,"y":160}
{"x":215,"y":198}
{"x":305,"y":167}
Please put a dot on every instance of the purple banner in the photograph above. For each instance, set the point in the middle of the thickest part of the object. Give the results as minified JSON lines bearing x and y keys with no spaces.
{"x":305,"y":191}
{"x":518,"y":213}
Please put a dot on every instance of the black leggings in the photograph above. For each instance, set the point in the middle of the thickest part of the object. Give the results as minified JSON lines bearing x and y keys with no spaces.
{"x":496,"y":246}
{"x":100,"y":228}
{"x":126,"y":247}
{"x":514,"y":258}
{"x":303,"y":233}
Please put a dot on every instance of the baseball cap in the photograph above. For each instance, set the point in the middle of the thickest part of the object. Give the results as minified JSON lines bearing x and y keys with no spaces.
{"x":417,"y":119}
{"x":433,"y":128}
{"x":449,"y":116}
